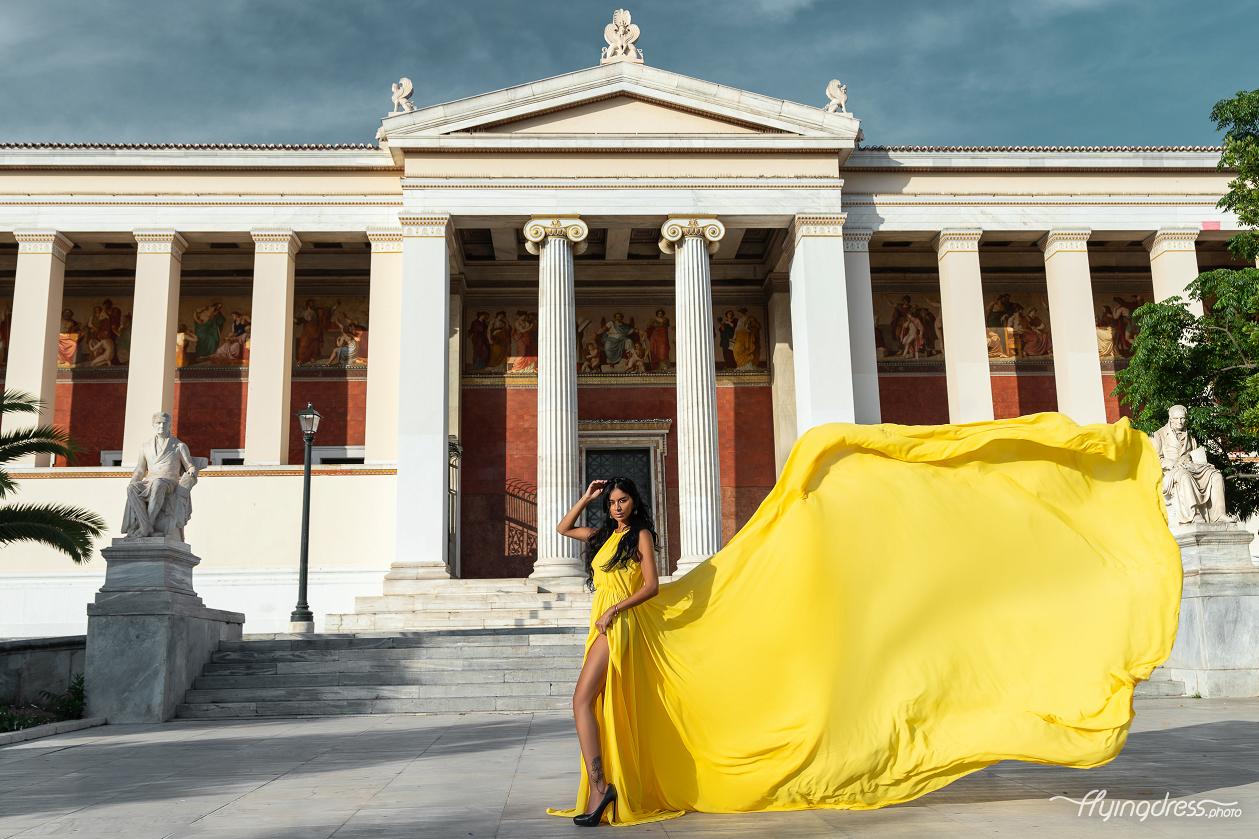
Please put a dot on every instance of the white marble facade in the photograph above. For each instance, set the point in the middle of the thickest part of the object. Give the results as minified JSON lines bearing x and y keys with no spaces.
{"x":618,"y":147}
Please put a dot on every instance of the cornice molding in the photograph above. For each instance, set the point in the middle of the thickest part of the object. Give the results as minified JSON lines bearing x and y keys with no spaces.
{"x":385,"y":239}
{"x":1065,"y":240}
{"x":276,"y":241}
{"x":857,"y":240}
{"x":43,"y":241}
{"x":1171,"y":239}
{"x":162,"y":241}
{"x":956,"y":240}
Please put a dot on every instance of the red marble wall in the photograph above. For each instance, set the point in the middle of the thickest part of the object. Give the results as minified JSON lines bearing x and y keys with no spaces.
{"x":499,"y":468}
{"x":1016,"y":396}
{"x":343,"y":405}
{"x":1114,"y":410}
{"x":498,"y":478}
{"x":745,"y":427}
{"x":93,"y":413}
{"x":210,"y":415}
{"x":914,"y":400}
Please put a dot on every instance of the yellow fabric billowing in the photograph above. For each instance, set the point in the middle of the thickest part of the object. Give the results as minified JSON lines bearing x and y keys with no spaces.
{"x":907,"y":606}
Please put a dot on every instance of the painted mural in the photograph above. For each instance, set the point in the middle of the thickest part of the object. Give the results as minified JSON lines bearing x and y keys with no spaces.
{"x":740,"y":338}
{"x":1116,"y":329}
{"x":610,"y":339}
{"x":1017,"y":326}
{"x":908,"y":326}
{"x":213,"y":331}
{"x":330,"y":331}
{"x":94,"y":332}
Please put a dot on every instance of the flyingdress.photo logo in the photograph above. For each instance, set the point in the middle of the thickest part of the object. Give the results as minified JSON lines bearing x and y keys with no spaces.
{"x":1097,"y":803}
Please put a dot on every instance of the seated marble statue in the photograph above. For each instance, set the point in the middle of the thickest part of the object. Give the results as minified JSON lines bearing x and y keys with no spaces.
{"x":159,"y":497}
{"x":1193,"y":487}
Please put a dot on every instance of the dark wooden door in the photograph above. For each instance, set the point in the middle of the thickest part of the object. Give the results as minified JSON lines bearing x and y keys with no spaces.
{"x":634,"y":464}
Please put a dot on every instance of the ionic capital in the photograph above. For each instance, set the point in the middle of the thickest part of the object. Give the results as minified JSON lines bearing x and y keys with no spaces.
{"x":956,"y":240}
{"x":557,"y":226}
{"x":1065,"y":240}
{"x":679,"y":227}
{"x":1171,"y":239}
{"x":858,"y":240}
{"x":43,"y":241}
{"x":161,"y":242}
{"x":276,"y":241}
{"x":385,"y":239}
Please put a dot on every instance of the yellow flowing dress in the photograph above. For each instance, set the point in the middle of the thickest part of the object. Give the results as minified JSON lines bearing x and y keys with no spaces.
{"x":908,"y":605}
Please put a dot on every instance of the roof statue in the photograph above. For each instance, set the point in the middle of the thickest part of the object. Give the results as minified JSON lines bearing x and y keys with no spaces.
{"x":402,"y":97}
{"x":838,"y":94}
{"x":621,"y":35}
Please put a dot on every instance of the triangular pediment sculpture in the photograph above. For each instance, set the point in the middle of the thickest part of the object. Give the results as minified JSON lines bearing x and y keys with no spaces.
{"x":629,"y":106}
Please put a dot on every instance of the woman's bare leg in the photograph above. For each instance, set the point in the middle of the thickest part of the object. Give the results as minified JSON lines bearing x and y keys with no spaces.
{"x":589,"y":684}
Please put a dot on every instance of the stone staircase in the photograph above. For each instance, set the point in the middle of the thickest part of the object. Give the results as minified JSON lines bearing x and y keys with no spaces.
{"x":443,"y":671}
{"x":417,"y":605}
{"x":1158,"y":686}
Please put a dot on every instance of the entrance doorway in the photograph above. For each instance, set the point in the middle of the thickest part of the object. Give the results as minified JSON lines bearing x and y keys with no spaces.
{"x":634,"y":464}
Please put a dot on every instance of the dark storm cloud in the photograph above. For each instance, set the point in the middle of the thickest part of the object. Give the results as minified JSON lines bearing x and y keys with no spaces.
{"x":1052,"y":72}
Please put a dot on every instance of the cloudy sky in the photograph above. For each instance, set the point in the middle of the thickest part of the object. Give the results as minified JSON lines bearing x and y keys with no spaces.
{"x":980,"y":72}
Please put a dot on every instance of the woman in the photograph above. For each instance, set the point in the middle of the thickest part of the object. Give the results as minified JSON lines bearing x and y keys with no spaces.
{"x":232,"y":350}
{"x":822,"y":659}
{"x":1036,"y":340}
{"x":621,"y":569}
{"x":658,"y":340}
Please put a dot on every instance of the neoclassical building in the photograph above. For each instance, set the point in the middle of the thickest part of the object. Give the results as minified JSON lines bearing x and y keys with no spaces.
{"x":619,"y":270}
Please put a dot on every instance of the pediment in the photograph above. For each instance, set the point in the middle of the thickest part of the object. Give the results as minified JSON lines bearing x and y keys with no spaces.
{"x":623,"y":114}
{"x":627,"y":106}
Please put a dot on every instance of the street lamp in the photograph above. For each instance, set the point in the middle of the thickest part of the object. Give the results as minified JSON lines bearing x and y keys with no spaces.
{"x":302,"y":620}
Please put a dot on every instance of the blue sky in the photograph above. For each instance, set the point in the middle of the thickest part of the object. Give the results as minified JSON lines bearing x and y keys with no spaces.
{"x":987,"y":72}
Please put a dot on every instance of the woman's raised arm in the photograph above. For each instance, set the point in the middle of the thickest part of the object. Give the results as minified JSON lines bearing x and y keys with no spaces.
{"x":567,"y":526}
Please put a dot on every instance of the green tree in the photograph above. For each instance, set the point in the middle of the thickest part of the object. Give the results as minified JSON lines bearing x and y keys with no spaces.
{"x":1238,"y":118}
{"x":69,"y":529}
{"x":1210,"y":364}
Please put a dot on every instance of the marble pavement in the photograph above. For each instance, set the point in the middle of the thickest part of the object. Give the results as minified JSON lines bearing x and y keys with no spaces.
{"x":491,"y":775}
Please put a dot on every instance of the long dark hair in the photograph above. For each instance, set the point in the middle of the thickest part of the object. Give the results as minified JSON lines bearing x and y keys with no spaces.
{"x":627,"y":549}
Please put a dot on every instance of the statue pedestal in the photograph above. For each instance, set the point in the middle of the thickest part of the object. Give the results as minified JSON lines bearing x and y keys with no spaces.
{"x":148,"y":633}
{"x":1217,"y":642}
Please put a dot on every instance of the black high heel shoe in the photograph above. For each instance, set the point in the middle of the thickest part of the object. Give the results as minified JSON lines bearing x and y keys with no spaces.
{"x":593,"y":819}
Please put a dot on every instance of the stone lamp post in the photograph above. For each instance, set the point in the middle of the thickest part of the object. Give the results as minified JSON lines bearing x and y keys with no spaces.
{"x":302,"y":620}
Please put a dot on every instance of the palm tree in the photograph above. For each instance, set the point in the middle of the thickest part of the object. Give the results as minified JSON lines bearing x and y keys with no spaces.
{"x":69,"y":529}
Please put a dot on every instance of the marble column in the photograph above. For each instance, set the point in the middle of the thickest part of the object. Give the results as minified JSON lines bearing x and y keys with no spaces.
{"x":865,"y":364}
{"x":151,"y":373}
{"x":691,"y":240}
{"x":423,"y":497}
{"x":1077,"y":367}
{"x":380,"y":438}
{"x":782,"y":368}
{"x":554,"y":239}
{"x":267,"y":414}
{"x":36,"y":323}
{"x":1174,"y":263}
{"x":819,"y":322}
{"x":969,"y":380}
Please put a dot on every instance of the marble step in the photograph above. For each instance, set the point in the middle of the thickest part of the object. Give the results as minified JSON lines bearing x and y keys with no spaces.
{"x":459,"y":587}
{"x":505,"y":637}
{"x":468,"y":602}
{"x":561,"y":670}
{"x":1156,"y":688}
{"x":444,"y":705}
{"x":338,"y":692}
{"x":411,"y":621}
